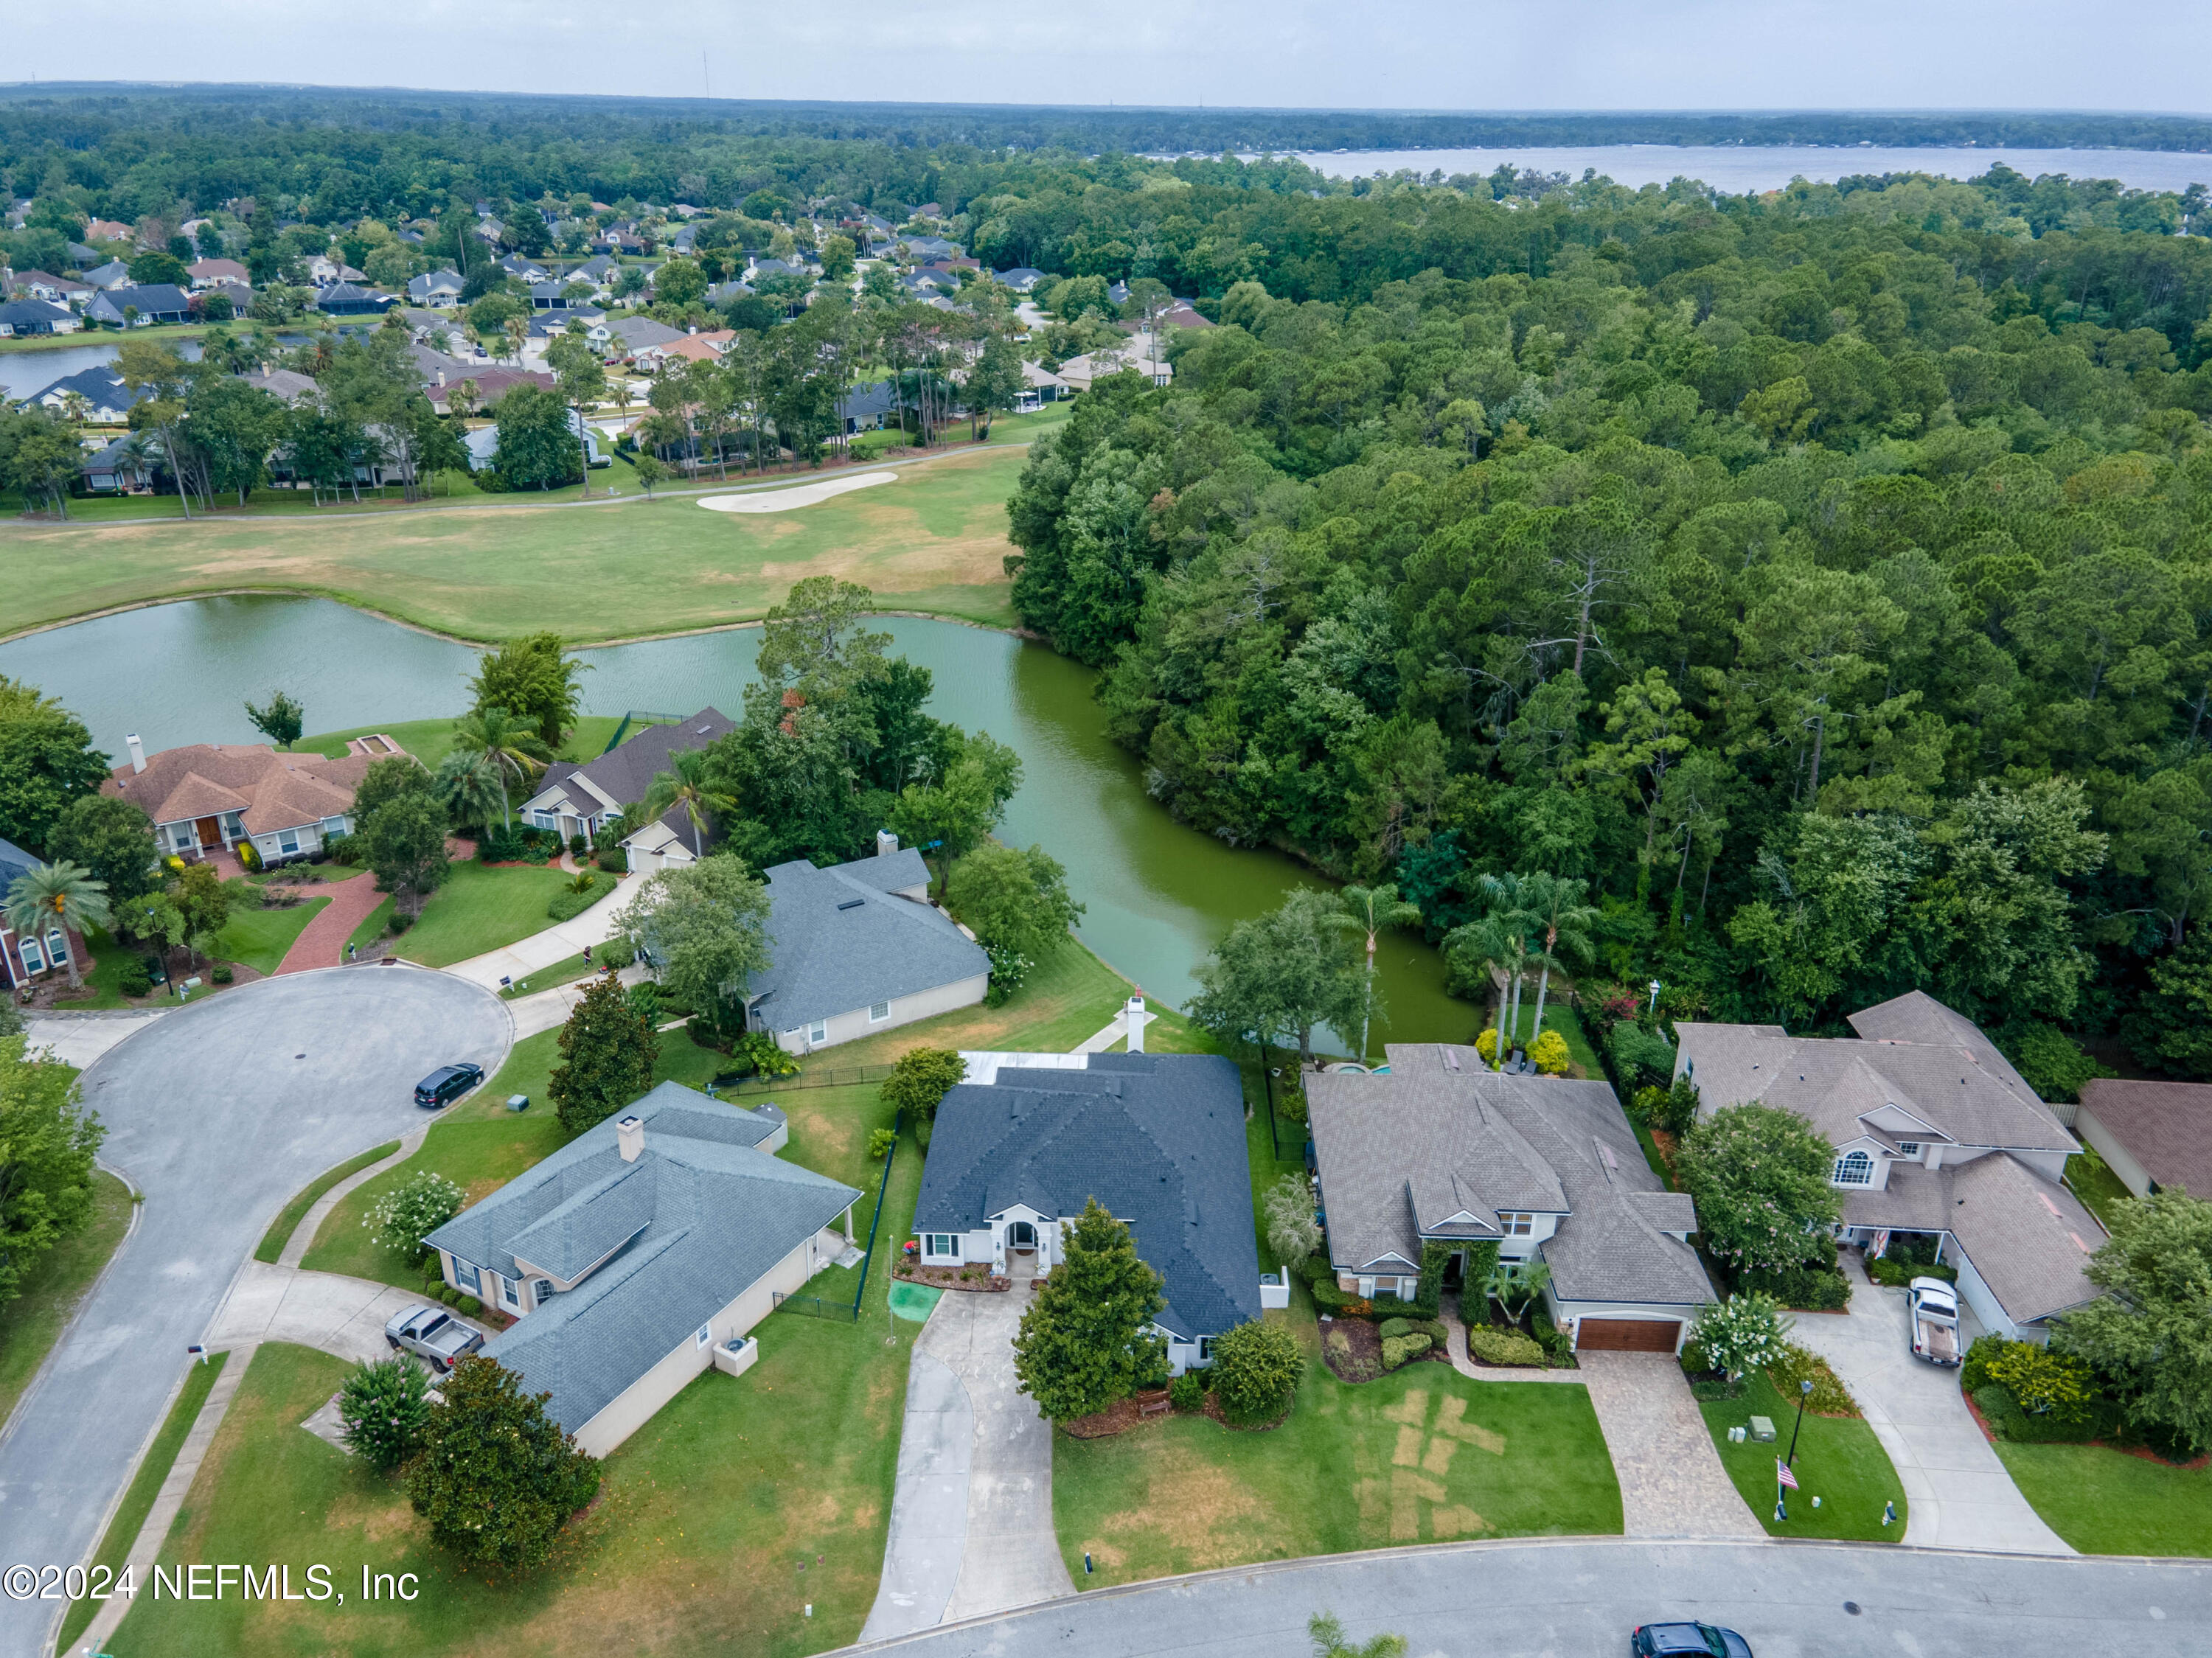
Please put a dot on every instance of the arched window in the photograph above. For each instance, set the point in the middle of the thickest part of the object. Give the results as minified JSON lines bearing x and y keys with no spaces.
{"x":1853,"y":1169}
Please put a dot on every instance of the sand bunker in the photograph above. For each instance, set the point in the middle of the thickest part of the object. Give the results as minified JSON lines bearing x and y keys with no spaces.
{"x":784,"y":501}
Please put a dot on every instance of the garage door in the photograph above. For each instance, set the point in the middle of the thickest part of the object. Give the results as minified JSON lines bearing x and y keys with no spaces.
{"x":1628,"y":1335}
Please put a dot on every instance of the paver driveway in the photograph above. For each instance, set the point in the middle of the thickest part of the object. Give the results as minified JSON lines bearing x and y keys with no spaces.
{"x":218,"y":1113}
{"x":1961,"y":1497}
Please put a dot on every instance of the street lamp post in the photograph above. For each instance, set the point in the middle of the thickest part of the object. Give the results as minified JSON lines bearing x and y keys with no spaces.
{"x":1654,"y":995}
{"x":1804,"y":1393}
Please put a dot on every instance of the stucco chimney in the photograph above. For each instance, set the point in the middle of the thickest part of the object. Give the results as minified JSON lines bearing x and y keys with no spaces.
{"x":886,"y":843}
{"x":629,"y":1135}
{"x":1133,"y":1015}
{"x":137,"y":752}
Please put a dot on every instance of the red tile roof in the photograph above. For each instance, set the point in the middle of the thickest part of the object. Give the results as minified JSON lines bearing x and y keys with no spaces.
{"x":270,"y":790}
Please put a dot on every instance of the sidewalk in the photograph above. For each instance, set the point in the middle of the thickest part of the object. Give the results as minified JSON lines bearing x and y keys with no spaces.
{"x":322,"y":942}
{"x":549,"y":1010}
{"x":519,"y":960}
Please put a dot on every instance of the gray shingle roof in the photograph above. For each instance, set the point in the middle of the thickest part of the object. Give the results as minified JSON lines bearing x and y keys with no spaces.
{"x":1156,"y":1138}
{"x":1408,"y":1152}
{"x":2166,"y":1127}
{"x":839,"y":939}
{"x":626,"y":772}
{"x":2030,"y":1239}
{"x":698,"y":1217}
{"x":639,"y":333}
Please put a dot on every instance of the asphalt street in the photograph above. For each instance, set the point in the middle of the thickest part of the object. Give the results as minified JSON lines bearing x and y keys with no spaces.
{"x":218,"y":1113}
{"x":1568,"y":1599}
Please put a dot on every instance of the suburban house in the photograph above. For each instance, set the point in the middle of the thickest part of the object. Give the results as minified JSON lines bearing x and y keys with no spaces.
{"x":208,"y":797}
{"x":21,"y":317}
{"x":141,"y":305}
{"x":106,"y":400}
{"x":1440,"y":1149}
{"x":858,"y":948}
{"x":213,"y":273}
{"x":54,"y":290}
{"x":1020,"y":1146}
{"x":574,"y":799}
{"x":113,"y":275}
{"x":1077,"y":374}
{"x":707,"y":346}
{"x":644,"y":341}
{"x":440,"y":290}
{"x":123,"y":465}
{"x":483,"y":444}
{"x":23,"y":959}
{"x":490,"y":382}
{"x":521,"y":269}
{"x":635,"y":1254}
{"x":2155,"y":1136}
{"x":1934,"y":1134}
{"x":1023,"y":279}
{"x":344,"y":299}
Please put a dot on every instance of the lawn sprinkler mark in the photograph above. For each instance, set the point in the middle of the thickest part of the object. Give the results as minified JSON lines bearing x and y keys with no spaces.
{"x":786,"y":500}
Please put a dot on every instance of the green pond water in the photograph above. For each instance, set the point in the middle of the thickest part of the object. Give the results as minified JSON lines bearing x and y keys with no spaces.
{"x":1157,"y":895}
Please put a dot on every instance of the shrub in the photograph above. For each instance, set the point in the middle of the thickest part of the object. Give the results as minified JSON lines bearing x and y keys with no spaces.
{"x":648,"y":1003}
{"x":1287,"y":1210}
{"x":1395,"y":1326}
{"x":1998,"y":1408}
{"x":384,"y":1406}
{"x":704,"y":1031}
{"x":1399,"y":1349}
{"x":583,"y":880}
{"x":1809,"y":1289}
{"x":222,"y":975}
{"x":1674,"y":1110}
{"x":342,"y":850}
{"x":1549,"y":1053}
{"x":1640,"y":1056}
{"x":1256,"y":1367}
{"x":1495,"y":1346}
{"x":921,"y":1079}
{"x":469,"y":1307}
{"x":401,"y":1219}
{"x":249,"y":856}
{"x":578,"y":846}
{"x":614,"y":860}
{"x":1558,"y":1349}
{"x":447,"y":1293}
{"x":134,"y":977}
{"x":1896,"y":1274}
{"x":759,"y":1049}
{"x":1798,"y":1366}
{"x":570,"y":902}
{"x":1974,"y":1369}
{"x":880,"y":1141}
{"x":1434,"y":1328}
{"x":398,"y":921}
{"x":2044,"y":1384}
{"x":1187,"y":1392}
{"x":1748,"y":1332}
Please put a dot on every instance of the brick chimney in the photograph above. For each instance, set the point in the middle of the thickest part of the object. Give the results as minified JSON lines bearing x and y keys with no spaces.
{"x":137,"y":752}
{"x":629,"y":1135}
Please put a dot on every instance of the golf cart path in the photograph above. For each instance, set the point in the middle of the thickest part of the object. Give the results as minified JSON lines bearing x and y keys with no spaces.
{"x":805,"y":495}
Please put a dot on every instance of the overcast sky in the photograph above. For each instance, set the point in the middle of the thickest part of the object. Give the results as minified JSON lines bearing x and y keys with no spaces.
{"x":1444,"y":54}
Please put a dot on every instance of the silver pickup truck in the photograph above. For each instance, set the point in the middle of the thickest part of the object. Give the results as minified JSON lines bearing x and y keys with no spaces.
{"x":1934,"y":1305}
{"x":433,"y":1333}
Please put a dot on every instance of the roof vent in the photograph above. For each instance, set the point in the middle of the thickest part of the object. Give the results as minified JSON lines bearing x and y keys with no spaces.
{"x":2051,"y":1206}
{"x":1451,"y":1060}
{"x":852,"y":903}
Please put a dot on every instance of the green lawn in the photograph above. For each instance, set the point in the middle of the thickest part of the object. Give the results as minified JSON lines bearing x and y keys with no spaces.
{"x":934,"y":543}
{"x":564,"y":972}
{"x":50,"y":1292}
{"x":146,"y":1485}
{"x":1421,"y":1455}
{"x":1838,"y":1460}
{"x":259,"y":938}
{"x":2091,"y":1178}
{"x":431,"y":740}
{"x":741,"y":1503}
{"x":100,"y":980}
{"x":288,"y":1217}
{"x":2106,"y":1501}
{"x":373,"y":925}
{"x":480,"y":909}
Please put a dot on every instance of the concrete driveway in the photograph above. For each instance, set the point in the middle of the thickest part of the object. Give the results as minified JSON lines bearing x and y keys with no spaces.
{"x":219,"y":1113}
{"x":1961,"y":1497}
{"x":1576,"y":1598}
{"x":971,"y":1529}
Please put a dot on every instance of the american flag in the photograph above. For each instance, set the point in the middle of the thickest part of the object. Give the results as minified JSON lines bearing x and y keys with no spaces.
{"x":1781,"y":1473}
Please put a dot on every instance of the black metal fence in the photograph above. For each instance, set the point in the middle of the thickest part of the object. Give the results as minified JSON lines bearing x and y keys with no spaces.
{"x":845,"y":1078}
{"x":640,"y":716}
{"x":838,"y":1312}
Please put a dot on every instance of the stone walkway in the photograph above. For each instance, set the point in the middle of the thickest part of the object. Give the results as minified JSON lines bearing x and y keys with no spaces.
{"x":971,"y":1529}
{"x":1456,"y":1345}
{"x":322,"y":942}
{"x":1672,"y":1484}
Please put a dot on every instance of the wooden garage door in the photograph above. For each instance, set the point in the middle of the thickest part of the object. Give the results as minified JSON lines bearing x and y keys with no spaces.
{"x":1627,"y":1335}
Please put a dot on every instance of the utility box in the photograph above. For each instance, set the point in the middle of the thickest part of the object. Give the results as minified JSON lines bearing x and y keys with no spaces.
{"x":1762,"y":1429}
{"x":518,"y":1102}
{"x":736,"y":1358}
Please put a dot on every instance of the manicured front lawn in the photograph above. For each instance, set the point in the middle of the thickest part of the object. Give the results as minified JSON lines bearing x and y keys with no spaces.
{"x":431,"y":740}
{"x":564,"y":972}
{"x":478,"y":908}
{"x":289,"y":1217}
{"x":34,"y":1319}
{"x":2106,"y":1501}
{"x":100,"y":991}
{"x":259,"y":938}
{"x":1421,"y":1455}
{"x":1838,"y":1460}
{"x":146,"y":1485}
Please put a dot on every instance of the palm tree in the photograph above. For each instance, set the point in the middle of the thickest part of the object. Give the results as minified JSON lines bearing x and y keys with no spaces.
{"x":471,"y":786}
{"x":1488,"y":945}
{"x":1507,"y":898}
{"x":58,"y":895}
{"x":1563,"y":928}
{"x":510,"y":746}
{"x":1513,"y":1284}
{"x":1369,"y":910}
{"x":688,"y":784}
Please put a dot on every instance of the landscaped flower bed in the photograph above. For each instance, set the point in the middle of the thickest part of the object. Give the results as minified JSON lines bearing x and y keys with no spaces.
{"x":952,"y":1278}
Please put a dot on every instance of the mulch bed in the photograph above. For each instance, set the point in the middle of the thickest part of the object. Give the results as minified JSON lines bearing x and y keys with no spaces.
{"x":948,"y":1278}
{"x":1118,"y":1418}
{"x":2144,"y":1451}
{"x":1361,"y":1358}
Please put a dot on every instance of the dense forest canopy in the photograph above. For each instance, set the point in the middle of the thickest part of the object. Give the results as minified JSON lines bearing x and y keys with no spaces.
{"x":1825,"y":577}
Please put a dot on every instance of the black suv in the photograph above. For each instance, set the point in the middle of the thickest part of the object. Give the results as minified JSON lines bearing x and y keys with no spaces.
{"x":446,"y":1084}
{"x":1688,"y":1641}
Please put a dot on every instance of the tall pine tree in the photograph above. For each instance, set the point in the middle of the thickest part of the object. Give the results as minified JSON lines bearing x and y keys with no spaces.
{"x":1087,"y":1339}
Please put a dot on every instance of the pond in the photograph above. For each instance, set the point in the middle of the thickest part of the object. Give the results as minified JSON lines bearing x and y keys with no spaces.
{"x":1157,"y":895}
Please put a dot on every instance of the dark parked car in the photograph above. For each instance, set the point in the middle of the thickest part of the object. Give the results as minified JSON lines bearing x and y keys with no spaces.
{"x":1694,"y":1640}
{"x":434,"y":1334}
{"x":446,"y":1084}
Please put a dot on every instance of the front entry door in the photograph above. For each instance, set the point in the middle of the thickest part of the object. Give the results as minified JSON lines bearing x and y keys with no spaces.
{"x":1021,"y":1236}
{"x":209,"y":830}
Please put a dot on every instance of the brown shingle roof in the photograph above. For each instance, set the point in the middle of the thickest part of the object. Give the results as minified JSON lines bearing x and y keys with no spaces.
{"x":2166,"y":1127}
{"x":270,"y":790}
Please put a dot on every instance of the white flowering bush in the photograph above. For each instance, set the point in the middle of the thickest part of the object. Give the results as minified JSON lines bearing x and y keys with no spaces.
{"x":1744,"y":1332}
{"x":405,"y":1215}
